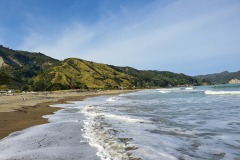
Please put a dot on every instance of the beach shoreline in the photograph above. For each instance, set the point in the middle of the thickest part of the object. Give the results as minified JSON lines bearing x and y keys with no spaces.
{"x":21,"y":111}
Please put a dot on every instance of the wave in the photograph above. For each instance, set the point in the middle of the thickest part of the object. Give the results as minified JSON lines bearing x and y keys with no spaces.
{"x":102,"y":135}
{"x":179,"y":90}
{"x":123,"y":118}
{"x":112,"y":99}
{"x":164,"y":91}
{"x":209,"y":92}
{"x":189,"y":88}
{"x":169,"y":89}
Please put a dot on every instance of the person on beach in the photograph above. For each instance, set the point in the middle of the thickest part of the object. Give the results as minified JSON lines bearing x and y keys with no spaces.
{"x":23,"y":98}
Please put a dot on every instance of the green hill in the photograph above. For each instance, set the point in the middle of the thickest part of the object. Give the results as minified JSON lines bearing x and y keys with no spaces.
{"x":36,"y":71}
{"x":219,"y":78}
{"x":76,"y":73}
{"x":21,"y":65}
{"x":150,"y":78}
{"x":7,"y":82}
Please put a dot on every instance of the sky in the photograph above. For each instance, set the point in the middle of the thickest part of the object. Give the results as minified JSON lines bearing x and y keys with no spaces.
{"x":184,"y":36}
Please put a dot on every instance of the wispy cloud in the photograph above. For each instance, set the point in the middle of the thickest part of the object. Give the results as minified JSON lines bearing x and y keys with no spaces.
{"x":156,"y":36}
{"x":65,"y":43}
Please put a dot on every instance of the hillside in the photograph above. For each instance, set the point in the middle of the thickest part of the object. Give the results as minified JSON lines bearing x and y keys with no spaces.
{"x":7,"y":82}
{"x":219,"y":78}
{"x":21,"y":65}
{"x":36,"y":71}
{"x":75,"y":73}
{"x":150,"y":78}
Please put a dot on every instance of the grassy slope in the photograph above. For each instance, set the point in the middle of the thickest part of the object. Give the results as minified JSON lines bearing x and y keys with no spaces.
{"x":19,"y":66}
{"x":72,"y":72}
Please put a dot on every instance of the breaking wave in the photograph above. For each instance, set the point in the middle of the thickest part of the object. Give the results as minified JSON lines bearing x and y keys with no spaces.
{"x":103,"y":136}
{"x":209,"y":92}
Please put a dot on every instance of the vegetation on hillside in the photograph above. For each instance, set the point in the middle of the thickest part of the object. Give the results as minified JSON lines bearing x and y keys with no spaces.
{"x":219,"y":78}
{"x":75,"y":73}
{"x":151,"y":78}
{"x":7,"y":82}
{"x":21,"y":65}
{"x":38,"y":72}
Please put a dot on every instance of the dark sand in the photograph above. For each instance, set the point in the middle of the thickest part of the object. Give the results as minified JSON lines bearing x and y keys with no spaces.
{"x":23,"y":118}
{"x":28,"y":116}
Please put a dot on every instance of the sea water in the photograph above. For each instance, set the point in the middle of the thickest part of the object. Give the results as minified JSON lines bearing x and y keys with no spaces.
{"x":174,"y":123}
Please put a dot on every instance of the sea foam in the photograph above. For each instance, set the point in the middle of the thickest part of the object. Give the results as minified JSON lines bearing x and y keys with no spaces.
{"x":222,"y":92}
{"x":101,"y":135}
{"x":112,"y":99}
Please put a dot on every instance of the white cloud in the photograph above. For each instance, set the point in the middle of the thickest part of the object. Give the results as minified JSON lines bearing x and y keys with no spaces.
{"x":65,"y":43}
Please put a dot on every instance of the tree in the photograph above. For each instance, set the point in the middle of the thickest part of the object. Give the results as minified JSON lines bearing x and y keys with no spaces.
{"x":24,"y":88}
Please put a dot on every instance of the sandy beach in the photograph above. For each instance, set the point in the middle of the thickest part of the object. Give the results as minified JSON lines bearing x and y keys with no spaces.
{"x":20,"y":111}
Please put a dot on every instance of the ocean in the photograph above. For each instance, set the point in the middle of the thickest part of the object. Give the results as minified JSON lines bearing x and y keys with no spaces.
{"x":183,"y":123}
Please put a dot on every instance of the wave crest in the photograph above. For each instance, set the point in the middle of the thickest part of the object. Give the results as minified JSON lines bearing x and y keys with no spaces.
{"x":209,"y":92}
{"x":112,"y":99}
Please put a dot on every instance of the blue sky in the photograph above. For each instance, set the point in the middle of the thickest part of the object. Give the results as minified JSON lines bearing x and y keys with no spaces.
{"x":184,"y":36}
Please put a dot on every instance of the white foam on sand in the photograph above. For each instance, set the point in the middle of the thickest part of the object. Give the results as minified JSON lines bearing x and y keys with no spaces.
{"x":48,"y":141}
{"x":60,"y":139}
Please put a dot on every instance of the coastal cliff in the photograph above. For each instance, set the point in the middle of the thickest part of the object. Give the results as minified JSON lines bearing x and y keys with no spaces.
{"x":234,"y":81}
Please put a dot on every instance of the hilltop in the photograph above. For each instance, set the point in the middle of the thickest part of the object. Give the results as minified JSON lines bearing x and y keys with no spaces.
{"x":19,"y":66}
{"x":38,"y":72}
{"x":219,"y":78}
{"x":74,"y":73}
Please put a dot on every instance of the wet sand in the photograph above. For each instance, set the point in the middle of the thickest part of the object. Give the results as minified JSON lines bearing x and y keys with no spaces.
{"x":17,"y":113}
